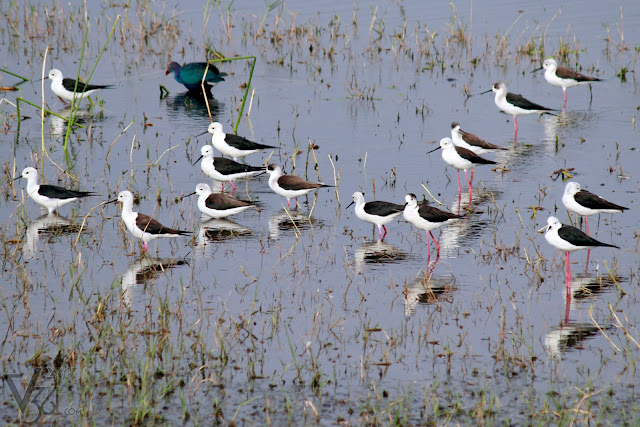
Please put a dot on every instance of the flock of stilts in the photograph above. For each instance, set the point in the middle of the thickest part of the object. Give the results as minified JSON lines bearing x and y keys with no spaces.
{"x":462,"y":151}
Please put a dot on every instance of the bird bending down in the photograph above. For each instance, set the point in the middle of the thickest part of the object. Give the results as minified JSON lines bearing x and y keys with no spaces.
{"x":223,"y":170}
{"x":290,"y":186}
{"x":472,"y":142}
{"x":569,"y":239}
{"x":376,"y":212}
{"x":585,"y":203}
{"x":563,"y":77}
{"x":515,"y":104}
{"x":143,"y":226}
{"x":232,"y":145}
{"x":218,"y":205}
{"x":460,"y":158}
{"x":426,"y":218}
{"x":68,"y":89}
{"x":190,"y":75}
{"x":50,"y":196}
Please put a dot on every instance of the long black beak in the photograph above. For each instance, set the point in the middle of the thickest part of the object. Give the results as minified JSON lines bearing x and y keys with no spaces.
{"x":190,"y":194}
{"x":16,"y":178}
{"x":194,"y":163}
{"x":39,"y":80}
{"x":537,"y":69}
{"x":110,"y":201}
{"x":486,"y":91}
{"x":352,"y":202}
{"x":437,"y":148}
{"x":200,"y":134}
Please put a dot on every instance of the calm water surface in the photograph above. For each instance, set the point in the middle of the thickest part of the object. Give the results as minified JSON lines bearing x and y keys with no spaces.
{"x":306,"y":309}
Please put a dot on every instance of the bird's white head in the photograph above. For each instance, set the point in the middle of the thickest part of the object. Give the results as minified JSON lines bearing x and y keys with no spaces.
{"x":125,"y":197}
{"x":203,"y":189}
{"x":358,"y":198}
{"x":206,"y":151}
{"x":550,"y":64}
{"x":553,"y":223}
{"x":55,"y":75}
{"x":411,"y":200}
{"x":29,"y":173}
{"x":446,"y":143}
{"x":215,"y":128}
{"x":274,"y":169}
{"x":572,"y":188}
{"x":499,"y":88}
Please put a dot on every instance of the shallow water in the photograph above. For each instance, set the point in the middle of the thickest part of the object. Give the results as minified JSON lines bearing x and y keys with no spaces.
{"x":300,"y":313}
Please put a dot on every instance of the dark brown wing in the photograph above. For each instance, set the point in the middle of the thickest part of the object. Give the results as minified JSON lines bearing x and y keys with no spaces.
{"x":70,"y":84}
{"x":218,"y":201}
{"x":292,"y":182}
{"x":435,"y":215}
{"x":578,"y":238}
{"x":591,"y":201}
{"x":524,"y":103}
{"x":467,"y":154}
{"x":476,"y":141}
{"x":381,"y":208}
{"x":566,"y":73}
{"x":151,"y":226}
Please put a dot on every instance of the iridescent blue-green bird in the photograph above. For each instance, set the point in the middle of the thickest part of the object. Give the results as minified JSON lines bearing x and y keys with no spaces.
{"x":190,"y":75}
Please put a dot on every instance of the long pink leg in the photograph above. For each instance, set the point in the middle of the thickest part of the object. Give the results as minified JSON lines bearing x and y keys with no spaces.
{"x":515,"y":135}
{"x":567,"y":308}
{"x":586,"y":268}
{"x":428,"y":247}
{"x":233,"y":185}
{"x":380,"y":231}
{"x":586,"y":220}
{"x":437,"y":245}
{"x":145,"y":246}
{"x":459,"y":186}
{"x":385,"y":231}
{"x":289,"y":203}
{"x":564,"y":90}
{"x":468,"y":182}
{"x":568,"y":277}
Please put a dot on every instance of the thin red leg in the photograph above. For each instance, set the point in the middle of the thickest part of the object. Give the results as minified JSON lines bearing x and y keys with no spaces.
{"x":145,"y":246}
{"x":428,"y":247}
{"x":567,"y":308}
{"x":586,"y":220}
{"x":459,"y":186}
{"x":586,"y":269}
{"x":233,"y":185}
{"x":385,"y":231}
{"x":515,"y":135}
{"x":436,"y":243}
{"x":564,"y":90}
{"x":568,"y":277}
{"x":468,"y":183}
{"x":289,"y":203}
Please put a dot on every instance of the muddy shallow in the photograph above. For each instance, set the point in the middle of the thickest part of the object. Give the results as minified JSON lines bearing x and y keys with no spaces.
{"x":282,"y":316}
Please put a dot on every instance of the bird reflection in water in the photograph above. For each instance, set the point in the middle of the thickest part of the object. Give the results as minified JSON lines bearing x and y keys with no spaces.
{"x":81,"y":116}
{"x":193,"y":104}
{"x":144,"y":272}
{"x":289,"y":222}
{"x":49,"y":226}
{"x":571,"y":334}
{"x":379,"y":252}
{"x":427,"y":290}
